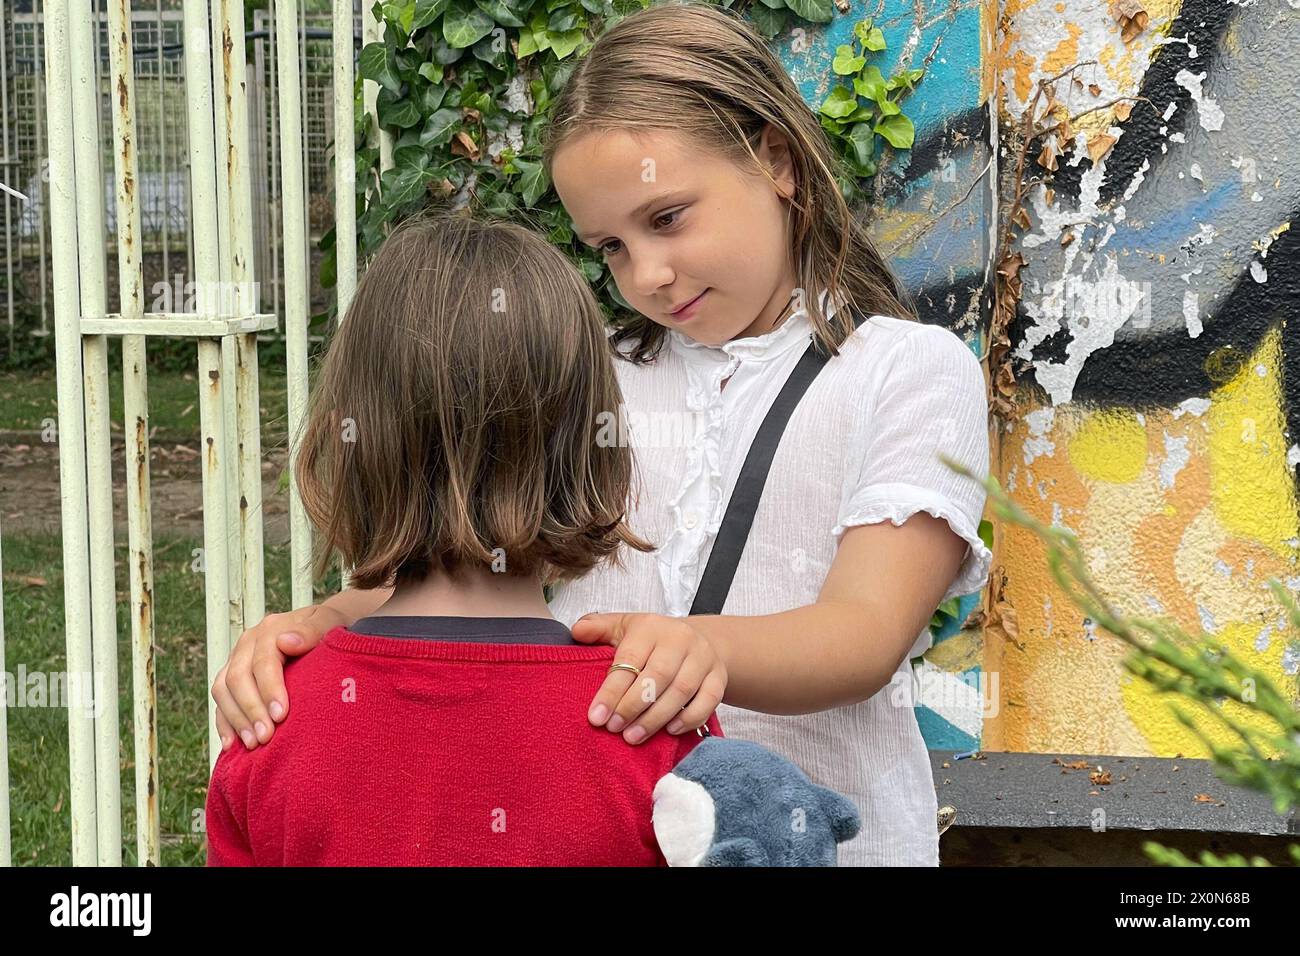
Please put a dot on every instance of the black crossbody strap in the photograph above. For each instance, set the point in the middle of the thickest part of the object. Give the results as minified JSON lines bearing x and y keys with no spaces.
{"x":715,"y":584}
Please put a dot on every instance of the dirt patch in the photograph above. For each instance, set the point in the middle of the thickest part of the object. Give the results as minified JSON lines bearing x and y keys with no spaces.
{"x":29,"y":489}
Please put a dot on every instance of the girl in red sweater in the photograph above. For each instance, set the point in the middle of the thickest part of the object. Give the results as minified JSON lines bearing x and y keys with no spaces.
{"x":452,"y":449}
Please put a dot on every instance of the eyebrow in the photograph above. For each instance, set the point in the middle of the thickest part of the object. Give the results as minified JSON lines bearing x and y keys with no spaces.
{"x":641,"y":209}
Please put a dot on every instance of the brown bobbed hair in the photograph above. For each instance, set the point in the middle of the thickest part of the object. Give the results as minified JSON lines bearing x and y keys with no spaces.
{"x":454,"y":421}
{"x":703,"y":73}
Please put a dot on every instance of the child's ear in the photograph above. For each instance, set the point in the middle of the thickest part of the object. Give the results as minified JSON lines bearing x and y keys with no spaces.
{"x":774,"y":150}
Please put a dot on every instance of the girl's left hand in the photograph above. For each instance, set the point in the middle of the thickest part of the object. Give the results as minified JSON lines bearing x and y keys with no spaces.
{"x":681,"y":682}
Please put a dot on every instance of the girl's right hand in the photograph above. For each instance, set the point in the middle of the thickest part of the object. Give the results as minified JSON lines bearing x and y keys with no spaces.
{"x":249,"y":690}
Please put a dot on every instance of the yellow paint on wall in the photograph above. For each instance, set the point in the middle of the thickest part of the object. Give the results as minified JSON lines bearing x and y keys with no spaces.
{"x":1060,"y":691}
{"x":1110,"y":445}
{"x":1152,"y":710}
{"x":1253,"y":490}
{"x":1065,"y":53}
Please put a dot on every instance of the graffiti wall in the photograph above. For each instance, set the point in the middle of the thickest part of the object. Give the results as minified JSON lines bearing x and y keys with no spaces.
{"x":935,"y":219}
{"x":1156,"y":351}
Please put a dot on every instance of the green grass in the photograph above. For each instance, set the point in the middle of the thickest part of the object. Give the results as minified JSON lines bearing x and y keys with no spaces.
{"x":38,"y":736}
{"x":30,"y":400}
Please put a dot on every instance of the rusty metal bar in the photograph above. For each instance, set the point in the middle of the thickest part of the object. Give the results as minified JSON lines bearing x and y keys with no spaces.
{"x":135,"y":404}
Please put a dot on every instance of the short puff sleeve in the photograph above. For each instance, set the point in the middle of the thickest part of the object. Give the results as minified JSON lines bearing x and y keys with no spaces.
{"x":931,"y":399}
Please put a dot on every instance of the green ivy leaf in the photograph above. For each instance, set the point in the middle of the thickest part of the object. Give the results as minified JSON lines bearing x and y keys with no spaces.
{"x":431,"y":72}
{"x":846,"y":62}
{"x":501,"y":11}
{"x":875,"y":40}
{"x":439,"y":128}
{"x":411,"y":157}
{"x":533,"y":180}
{"x":768,"y":22}
{"x":601,"y":8}
{"x":563,"y":20}
{"x":774,"y":4}
{"x":898,"y":130}
{"x":465,"y":24}
{"x":840,"y":103}
{"x":905,"y":80}
{"x":379,"y":64}
{"x":888,"y":107}
{"x":401,"y":186}
{"x":565,"y":43}
{"x":401,"y":13}
{"x":426,"y":11}
{"x":393,"y":112}
{"x":816,"y":11}
{"x":431,"y":98}
{"x":870,"y":84}
{"x":444,"y":53}
{"x":527,"y":44}
{"x":489,"y":51}
{"x":862,"y":146}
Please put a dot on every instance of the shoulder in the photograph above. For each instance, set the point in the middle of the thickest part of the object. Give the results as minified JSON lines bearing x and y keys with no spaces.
{"x":901,"y":353}
{"x":884,"y":337}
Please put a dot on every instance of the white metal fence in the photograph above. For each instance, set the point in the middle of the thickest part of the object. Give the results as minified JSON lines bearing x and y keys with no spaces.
{"x":90,"y":160}
{"x":163,"y":190}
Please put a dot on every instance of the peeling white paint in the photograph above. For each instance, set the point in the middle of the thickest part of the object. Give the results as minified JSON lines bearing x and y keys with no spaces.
{"x":1176,"y":458}
{"x":1293,"y":457}
{"x":1192,"y":406}
{"x":1207,"y":619}
{"x":1089,"y":332}
{"x":1208,"y":111}
{"x":1138,"y":178}
{"x":1291,"y":659}
{"x":1205,"y":234}
{"x":1258,"y":272}
{"x":1191,"y":314}
{"x":1165,"y":41}
{"x":1262,"y":638}
{"x":1040,"y":422}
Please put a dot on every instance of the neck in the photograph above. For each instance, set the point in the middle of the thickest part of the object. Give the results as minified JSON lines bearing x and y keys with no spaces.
{"x":477,"y":592}
{"x":779,"y":308}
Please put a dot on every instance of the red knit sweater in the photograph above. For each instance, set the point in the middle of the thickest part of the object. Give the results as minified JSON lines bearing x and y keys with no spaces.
{"x":403,"y":751}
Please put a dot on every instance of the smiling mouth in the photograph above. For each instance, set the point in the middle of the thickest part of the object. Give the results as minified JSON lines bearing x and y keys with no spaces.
{"x":679,"y":311}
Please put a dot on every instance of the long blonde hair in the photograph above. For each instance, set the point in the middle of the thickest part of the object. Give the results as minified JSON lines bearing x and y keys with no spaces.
{"x":701,"y":71}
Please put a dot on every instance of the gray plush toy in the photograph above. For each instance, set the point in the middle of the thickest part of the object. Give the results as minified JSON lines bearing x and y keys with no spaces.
{"x":735,"y":803}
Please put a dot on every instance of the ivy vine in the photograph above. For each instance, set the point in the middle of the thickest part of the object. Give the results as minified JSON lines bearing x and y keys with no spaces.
{"x":459,"y":77}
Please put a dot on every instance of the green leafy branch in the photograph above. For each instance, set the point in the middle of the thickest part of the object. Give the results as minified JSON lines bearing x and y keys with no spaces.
{"x":868,"y":107}
{"x":1200,"y":670}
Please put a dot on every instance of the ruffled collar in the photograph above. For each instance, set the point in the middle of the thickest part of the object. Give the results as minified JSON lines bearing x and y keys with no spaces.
{"x":794,"y":332}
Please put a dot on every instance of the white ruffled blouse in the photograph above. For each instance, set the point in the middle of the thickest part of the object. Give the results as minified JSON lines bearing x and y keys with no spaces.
{"x":861,"y":447}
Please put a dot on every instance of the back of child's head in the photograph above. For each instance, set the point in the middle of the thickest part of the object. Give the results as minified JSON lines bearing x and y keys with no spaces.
{"x":701,"y":71}
{"x":454,"y":420}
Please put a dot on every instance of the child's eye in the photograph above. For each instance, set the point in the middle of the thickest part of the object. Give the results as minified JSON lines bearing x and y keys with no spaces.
{"x":674,"y":213}
{"x":605,"y":250}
